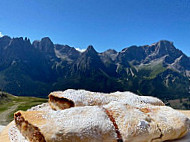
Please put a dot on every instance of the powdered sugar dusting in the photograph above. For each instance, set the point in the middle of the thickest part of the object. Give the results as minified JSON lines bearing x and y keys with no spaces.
{"x":167,"y":117}
{"x":143,"y":124}
{"x":87,"y":98}
{"x":160,"y":122}
{"x":92,"y":121}
{"x":42,"y":107}
{"x":15,"y":135}
{"x":134,"y":125}
{"x":84,"y":122}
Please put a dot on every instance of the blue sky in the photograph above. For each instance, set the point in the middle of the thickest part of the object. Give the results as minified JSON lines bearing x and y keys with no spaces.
{"x":105,"y":24}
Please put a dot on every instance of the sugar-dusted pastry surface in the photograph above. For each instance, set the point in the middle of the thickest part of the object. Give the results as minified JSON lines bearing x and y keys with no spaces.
{"x":12,"y":134}
{"x":80,"y":124}
{"x":134,"y":125}
{"x":150,"y":123}
{"x":172,"y":123}
{"x":138,"y":121}
{"x":87,"y":98}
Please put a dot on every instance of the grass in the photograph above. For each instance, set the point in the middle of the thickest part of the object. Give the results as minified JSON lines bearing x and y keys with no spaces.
{"x":152,"y":70}
{"x":10,"y":104}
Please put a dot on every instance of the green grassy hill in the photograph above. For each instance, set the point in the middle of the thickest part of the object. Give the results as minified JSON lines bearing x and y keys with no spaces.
{"x":10,"y":104}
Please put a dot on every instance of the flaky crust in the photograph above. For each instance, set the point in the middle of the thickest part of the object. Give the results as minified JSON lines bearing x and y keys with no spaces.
{"x":148,"y":124}
{"x":84,"y":124}
{"x":134,"y":125}
{"x":60,"y":100}
{"x":171,"y":123}
{"x":115,"y":122}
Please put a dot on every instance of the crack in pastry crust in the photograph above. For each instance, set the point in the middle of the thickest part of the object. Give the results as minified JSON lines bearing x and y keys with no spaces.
{"x":119,"y":137}
{"x":160,"y":137}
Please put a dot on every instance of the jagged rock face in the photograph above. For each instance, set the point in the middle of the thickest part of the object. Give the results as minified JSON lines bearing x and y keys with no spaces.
{"x":164,"y":48}
{"x":23,"y":67}
{"x":45,"y":45}
{"x":133,"y":53}
{"x":66,"y":52}
{"x":109,"y":60}
{"x":4,"y":41}
{"x":110,"y":52}
{"x":158,"y":69}
{"x":88,"y":59}
{"x":15,"y":51}
{"x":88,"y":64}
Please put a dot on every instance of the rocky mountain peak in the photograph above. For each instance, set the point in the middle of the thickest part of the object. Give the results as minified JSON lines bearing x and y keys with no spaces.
{"x":66,"y":52}
{"x":131,"y":53}
{"x":27,"y":39}
{"x":90,"y":49}
{"x":88,"y":61}
{"x":5,"y":38}
{"x":4,"y":41}
{"x":110,"y":51}
{"x":165,"y":42}
{"x":90,"y":52}
{"x":109,"y":54}
{"x":18,"y":39}
{"x":161,"y":49}
{"x":164,"y":46}
{"x":46,"y":40}
{"x":44,"y":45}
{"x":20,"y":42}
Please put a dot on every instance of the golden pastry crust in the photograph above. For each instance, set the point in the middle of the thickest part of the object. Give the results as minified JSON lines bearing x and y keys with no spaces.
{"x":171,"y":123}
{"x":134,"y":125}
{"x":83,"y":124}
{"x":60,"y":100}
{"x":115,"y":122}
{"x":148,"y":124}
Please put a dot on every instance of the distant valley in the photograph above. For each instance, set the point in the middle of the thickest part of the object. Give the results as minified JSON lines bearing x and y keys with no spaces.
{"x":9,"y":104}
{"x":35,"y":69}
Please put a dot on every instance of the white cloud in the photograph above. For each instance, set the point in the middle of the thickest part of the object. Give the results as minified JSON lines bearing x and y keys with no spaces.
{"x":80,"y":50}
{"x":1,"y":35}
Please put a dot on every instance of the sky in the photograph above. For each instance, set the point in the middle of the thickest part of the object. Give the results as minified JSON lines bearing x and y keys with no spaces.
{"x":105,"y":24}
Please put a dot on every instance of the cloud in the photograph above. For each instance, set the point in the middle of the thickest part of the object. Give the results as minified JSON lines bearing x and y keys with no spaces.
{"x":80,"y":50}
{"x":1,"y":35}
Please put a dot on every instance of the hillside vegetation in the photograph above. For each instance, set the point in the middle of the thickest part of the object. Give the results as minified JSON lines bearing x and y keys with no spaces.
{"x":10,"y":104}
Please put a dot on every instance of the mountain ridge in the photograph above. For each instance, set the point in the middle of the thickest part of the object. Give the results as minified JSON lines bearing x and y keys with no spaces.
{"x":37,"y":68}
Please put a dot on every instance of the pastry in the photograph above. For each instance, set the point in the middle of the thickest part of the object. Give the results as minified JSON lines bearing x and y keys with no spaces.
{"x":77,"y":124}
{"x":114,"y":122}
{"x":148,"y":124}
{"x":61,"y":100}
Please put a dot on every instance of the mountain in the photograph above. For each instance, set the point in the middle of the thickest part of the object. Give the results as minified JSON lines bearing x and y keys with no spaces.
{"x":35,"y":69}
